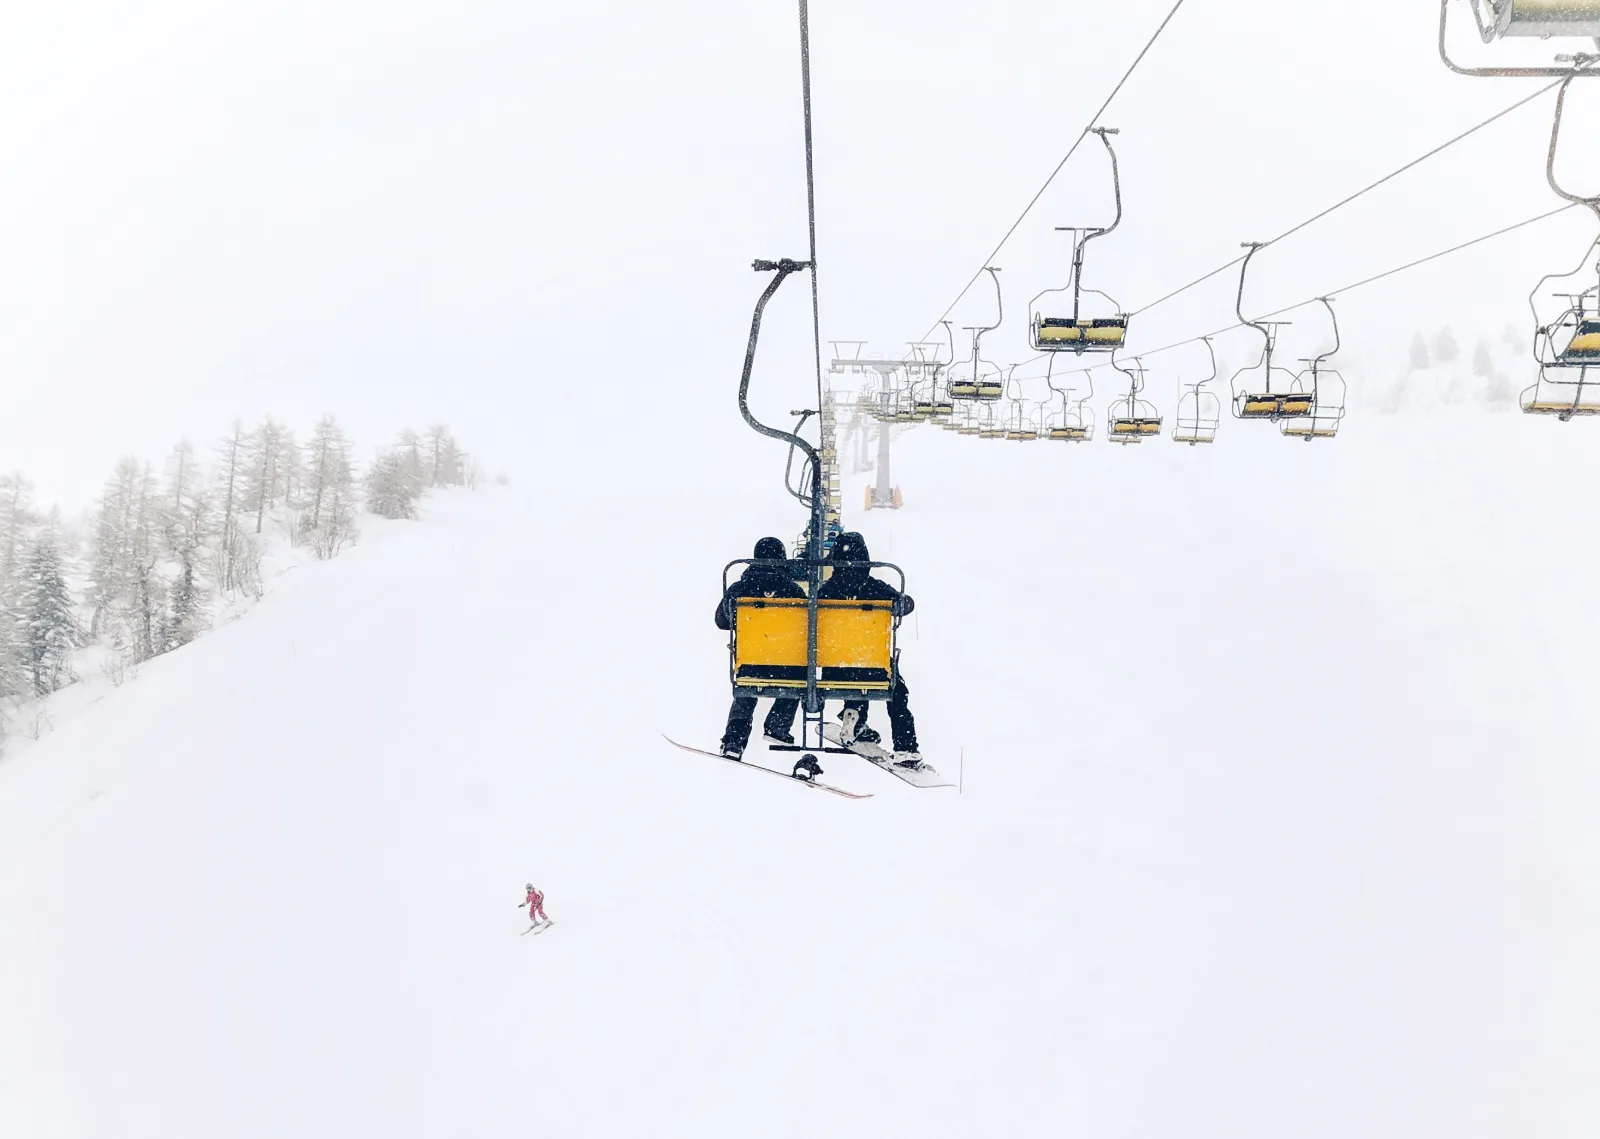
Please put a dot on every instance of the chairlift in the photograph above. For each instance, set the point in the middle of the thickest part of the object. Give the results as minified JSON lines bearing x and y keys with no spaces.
{"x":1076,"y":424}
{"x":1199,"y":411}
{"x":984,"y":384}
{"x":1131,"y":419}
{"x":1263,"y":400}
{"x":1568,"y":347}
{"x":1327,"y":389}
{"x":1529,"y":19}
{"x":1078,"y":332}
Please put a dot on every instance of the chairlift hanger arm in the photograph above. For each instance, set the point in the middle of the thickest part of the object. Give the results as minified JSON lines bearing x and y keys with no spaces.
{"x":1550,"y":158}
{"x":1254,"y":247}
{"x":782,"y":268}
{"x":1116,"y":189}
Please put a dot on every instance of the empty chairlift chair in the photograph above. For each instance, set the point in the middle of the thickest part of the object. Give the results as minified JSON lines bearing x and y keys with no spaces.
{"x":1131,"y":419}
{"x":1074,"y":330}
{"x":1199,"y":411}
{"x":1327,"y":389}
{"x":1270,"y":393}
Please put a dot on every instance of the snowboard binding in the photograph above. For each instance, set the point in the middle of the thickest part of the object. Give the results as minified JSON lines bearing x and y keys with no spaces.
{"x":808,"y":769}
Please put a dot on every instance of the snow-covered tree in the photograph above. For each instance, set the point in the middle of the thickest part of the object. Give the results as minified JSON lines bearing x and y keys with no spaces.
{"x":328,"y":508}
{"x":112,"y":553}
{"x":1483,"y":360}
{"x":445,"y":458}
{"x":263,"y":482}
{"x":46,"y":619}
{"x":1445,"y":348}
{"x":16,"y":514}
{"x":235,"y":556}
{"x":391,"y":491}
{"x":1419,"y":352}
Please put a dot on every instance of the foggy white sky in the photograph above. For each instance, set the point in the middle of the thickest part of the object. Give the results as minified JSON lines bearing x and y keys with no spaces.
{"x":535,"y":222}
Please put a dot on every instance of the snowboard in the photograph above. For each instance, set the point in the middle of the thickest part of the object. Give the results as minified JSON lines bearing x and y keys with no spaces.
{"x":925,"y":776}
{"x":832,"y":790}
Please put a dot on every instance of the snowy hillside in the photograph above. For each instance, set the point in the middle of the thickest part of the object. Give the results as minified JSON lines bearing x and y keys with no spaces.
{"x":1279,"y":788}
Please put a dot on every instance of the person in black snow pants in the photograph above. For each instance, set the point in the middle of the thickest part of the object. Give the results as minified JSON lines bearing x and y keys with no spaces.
{"x":852,"y":580}
{"x":768,"y":580}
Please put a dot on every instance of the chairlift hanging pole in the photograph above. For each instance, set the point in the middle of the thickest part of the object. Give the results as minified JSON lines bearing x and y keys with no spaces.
{"x":818,"y":502}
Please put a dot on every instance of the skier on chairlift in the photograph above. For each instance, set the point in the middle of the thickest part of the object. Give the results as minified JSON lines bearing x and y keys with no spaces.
{"x":766,"y":578}
{"x":852,"y":580}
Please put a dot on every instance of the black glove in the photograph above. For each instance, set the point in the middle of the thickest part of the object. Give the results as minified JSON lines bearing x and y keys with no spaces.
{"x":902,"y":605}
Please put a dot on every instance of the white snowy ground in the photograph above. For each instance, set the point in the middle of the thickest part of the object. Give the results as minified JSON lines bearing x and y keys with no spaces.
{"x":1280,"y":780}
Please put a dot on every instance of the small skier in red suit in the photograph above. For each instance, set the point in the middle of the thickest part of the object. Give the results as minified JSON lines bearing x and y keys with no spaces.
{"x":535,"y":903}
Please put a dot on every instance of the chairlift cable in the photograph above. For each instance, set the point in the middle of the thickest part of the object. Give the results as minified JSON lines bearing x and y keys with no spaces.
{"x":1115,"y":91}
{"x":811,"y":190}
{"x":1359,"y":284}
{"x":1358,"y":194}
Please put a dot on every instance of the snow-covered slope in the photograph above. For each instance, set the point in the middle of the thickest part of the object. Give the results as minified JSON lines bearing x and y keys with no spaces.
{"x":1277,"y":820}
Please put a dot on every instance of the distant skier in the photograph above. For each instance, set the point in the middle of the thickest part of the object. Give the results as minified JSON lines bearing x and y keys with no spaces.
{"x":535,"y":903}
{"x":766,"y":578}
{"x":852,"y":580}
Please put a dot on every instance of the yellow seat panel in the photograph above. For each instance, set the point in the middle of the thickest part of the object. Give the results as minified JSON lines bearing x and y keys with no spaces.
{"x":1547,"y":407}
{"x":855,"y":643}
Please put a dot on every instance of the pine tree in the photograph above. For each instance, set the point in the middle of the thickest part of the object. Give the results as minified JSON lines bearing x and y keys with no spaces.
{"x":390,"y":490}
{"x":1483,"y":360}
{"x":1419,"y":352}
{"x":46,"y":618}
{"x":182,"y":501}
{"x":328,"y":514}
{"x":147,"y":591}
{"x":229,"y":547}
{"x":1445,"y":348}
{"x":16,"y":515}
{"x":112,"y":553}
{"x":264,"y":448}
{"x":445,"y":459}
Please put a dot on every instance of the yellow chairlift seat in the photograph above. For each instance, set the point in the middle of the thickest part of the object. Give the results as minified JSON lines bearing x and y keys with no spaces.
{"x":991,"y":433}
{"x":1134,"y":426}
{"x":1106,"y":332}
{"x":1069,"y":434}
{"x":1307,"y":431}
{"x":1193,"y":435}
{"x":1275,"y":405}
{"x":1563,"y":408}
{"x":1584,"y":348}
{"x":855,"y":647}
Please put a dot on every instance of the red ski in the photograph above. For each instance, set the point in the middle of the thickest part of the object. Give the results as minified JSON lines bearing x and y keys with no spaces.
{"x":841,"y":792}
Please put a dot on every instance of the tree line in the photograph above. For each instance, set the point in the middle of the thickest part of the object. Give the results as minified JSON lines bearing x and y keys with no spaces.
{"x":144,"y":573}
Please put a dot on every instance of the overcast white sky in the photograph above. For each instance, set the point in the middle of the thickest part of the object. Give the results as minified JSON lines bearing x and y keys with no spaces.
{"x":535,"y":222}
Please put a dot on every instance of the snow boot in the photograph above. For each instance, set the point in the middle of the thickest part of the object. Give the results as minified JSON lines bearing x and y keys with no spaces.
{"x":784,"y":738}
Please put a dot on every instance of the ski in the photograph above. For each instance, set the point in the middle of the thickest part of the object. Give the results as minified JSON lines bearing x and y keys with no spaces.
{"x":539,"y":926}
{"x":924,"y":776}
{"x":840,"y":791}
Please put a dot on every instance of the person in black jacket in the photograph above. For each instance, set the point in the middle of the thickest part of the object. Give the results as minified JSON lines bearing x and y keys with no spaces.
{"x":852,"y":580}
{"x":768,"y":578}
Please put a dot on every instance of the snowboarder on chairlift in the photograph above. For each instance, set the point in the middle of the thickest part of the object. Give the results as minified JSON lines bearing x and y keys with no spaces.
{"x":768,"y":577}
{"x":852,"y":580}
{"x":535,"y":903}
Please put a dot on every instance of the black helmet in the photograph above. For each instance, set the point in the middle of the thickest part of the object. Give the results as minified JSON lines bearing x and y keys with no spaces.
{"x":771,"y":549}
{"x":851,"y":547}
